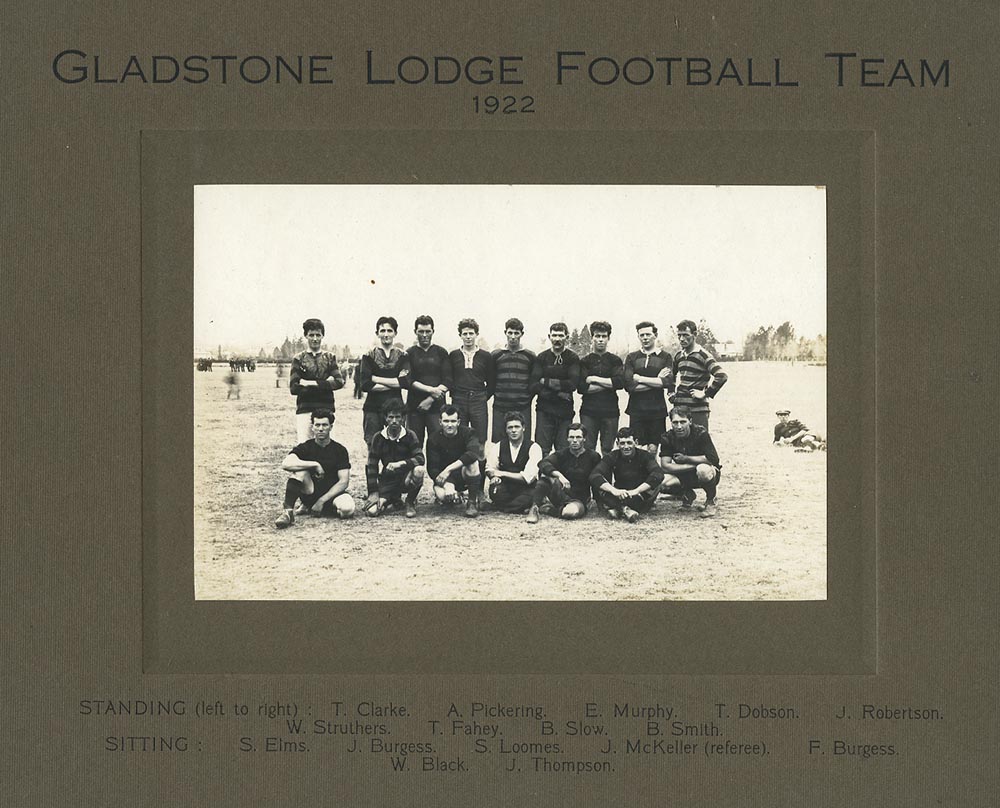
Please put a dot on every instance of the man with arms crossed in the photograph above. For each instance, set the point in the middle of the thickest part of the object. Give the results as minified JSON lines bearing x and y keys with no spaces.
{"x":395,"y":464}
{"x":602,"y":375}
{"x":313,"y":378}
{"x":428,"y":381}
{"x":554,"y":378}
{"x":512,"y":368}
{"x":689,"y":461}
{"x":453,"y":454}
{"x":627,"y":479}
{"x":696,"y":375}
{"x":563,"y":487}
{"x":321,"y":472}
{"x":473,"y":379}
{"x":512,"y":467}
{"x":382,"y":368}
{"x":647,"y":374}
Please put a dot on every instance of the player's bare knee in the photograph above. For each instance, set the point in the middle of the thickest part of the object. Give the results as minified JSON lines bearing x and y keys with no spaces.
{"x":573,"y":510}
{"x":706,"y":473}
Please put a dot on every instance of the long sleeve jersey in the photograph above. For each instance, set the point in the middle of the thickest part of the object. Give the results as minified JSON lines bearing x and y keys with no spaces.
{"x":627,"y":472}
{"x":395,"y":365}
{"x":443,"y":450}
{"x":601,"y":403}
{"x":385,"y":450}
{"x":431,"y":367}
{"x":320,"y":367}
{"x":695,"y":370}
{"x":645,"y":403}
{"x":480,"y":377}
{"x":554,"y":378}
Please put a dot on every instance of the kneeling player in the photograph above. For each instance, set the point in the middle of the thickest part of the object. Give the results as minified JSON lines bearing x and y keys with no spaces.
{"x":395,"y":464}
{"x":689,"y":461}
{"x":563,"y":487}
{"x":321,"y":472}
{"x":795,"y":433}
{"x":627,"y":479}
{"x":512,"y":467}
{"x":453,"y":455}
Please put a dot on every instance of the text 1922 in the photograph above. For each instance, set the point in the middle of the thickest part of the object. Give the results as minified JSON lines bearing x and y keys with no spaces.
{"x":504,"y":105}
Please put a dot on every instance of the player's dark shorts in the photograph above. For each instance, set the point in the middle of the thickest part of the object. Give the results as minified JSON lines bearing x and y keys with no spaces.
{"x":392,"y":485}
{"x":648,"y":430}
{"x":689,"y":478}
{"x":329,"y":509}
{"x":455,"y":478}
{"x":637,"y":502}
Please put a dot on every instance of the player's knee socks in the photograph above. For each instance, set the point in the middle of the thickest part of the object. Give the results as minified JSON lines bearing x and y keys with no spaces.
{"x":293,"y":490}
{"x":710,"y":489}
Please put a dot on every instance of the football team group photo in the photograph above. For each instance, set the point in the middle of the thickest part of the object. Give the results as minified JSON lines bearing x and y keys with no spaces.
{"x":618,"y":393}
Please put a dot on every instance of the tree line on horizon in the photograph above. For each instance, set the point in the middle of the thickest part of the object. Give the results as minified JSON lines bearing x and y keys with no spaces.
{"x":766,"y":343}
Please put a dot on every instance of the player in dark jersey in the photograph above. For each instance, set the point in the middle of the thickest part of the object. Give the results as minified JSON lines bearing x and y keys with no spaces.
{"x":563,"y":488}
{"x":602,"y":375}
{"x":383,"y":375}
{"x":792,"y":432}
{"x":689,"y":461}
{"x":627,"y":479}
{"x":647,"y":375}
{"x":555,"y":376}
{"x":453,"y":454}
{"x":428,"y":382}
{"x":321,"y":472}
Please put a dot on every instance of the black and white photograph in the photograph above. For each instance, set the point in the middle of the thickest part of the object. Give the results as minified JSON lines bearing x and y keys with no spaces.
{"x":510,"y":392}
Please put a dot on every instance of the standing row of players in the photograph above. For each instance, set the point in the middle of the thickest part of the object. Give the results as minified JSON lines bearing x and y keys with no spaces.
{"x":524,"y":475}
{"x":513,"y":377}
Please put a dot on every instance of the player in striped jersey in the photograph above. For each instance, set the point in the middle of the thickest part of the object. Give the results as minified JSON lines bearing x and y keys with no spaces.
{"x":696,"y":376}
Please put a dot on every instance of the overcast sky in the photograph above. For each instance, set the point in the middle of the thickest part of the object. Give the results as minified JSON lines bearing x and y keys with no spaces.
{"x":268,"y":256}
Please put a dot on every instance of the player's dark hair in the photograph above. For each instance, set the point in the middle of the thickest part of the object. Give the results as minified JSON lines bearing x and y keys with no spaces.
{"x":423,"y":319}
{"x":386,"y":319}
{"x":316,"y":415}
{"x":392,"y":407}
{"x":559,"y":327}
{"x":688,"y":325}
{"x":514,"y":323}
{"x":577,"y":425}
{"x":625,"y":432}
{"x":647,"y":324}
{"x":682,"y":411}
{"x":467,"y":322}
{"x":450,"y":410}
{"x":313,"y":324}
{"x":513,"y":416}
{"x":600,"y":327}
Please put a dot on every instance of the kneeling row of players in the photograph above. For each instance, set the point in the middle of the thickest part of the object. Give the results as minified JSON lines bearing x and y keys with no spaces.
{"x":624,"y":482}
